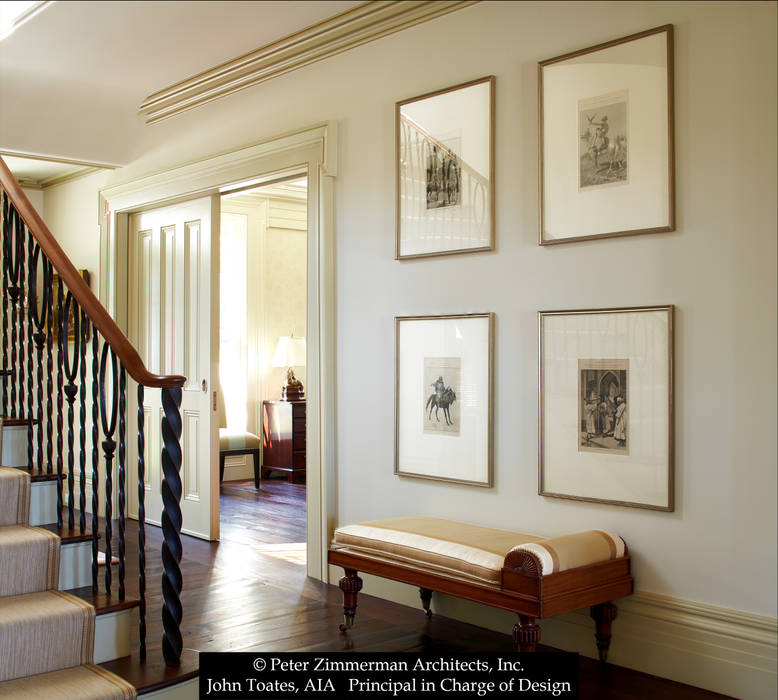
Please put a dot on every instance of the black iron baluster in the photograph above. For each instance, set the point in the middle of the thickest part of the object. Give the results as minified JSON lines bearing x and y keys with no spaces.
{"x":40,"y":322}
{"x":6,"y":238}
{"x":122,"y":471}
{"x":49,"y":373}
{"x":14,"y":291}
{"x":82,"y":426}
{"x":30,"y":404}
{"x":60,"y":362}
{"x":109,"y":447}
{"x":71,"y":372}
{"x":95,"y":454}
{"x":172,"y":581}
{"x":141,"y":524}
{"x":21,"y":303}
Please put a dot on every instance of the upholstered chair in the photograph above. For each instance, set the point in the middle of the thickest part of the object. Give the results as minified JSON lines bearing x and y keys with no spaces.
{"x":235,"y":442}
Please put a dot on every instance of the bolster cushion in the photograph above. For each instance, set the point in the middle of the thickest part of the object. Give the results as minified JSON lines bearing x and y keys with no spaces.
{"x":571,"y":551}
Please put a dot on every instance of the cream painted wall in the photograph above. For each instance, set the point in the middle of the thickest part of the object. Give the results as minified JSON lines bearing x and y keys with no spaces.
{"x":36,"y":198}
{"x":719,"y":268}
{"x":276,"y":260}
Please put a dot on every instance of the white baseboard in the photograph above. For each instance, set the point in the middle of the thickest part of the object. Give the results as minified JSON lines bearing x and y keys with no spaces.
{"x":719,"y":649}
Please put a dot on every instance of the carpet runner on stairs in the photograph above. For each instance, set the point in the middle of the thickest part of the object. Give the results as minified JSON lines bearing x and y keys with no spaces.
{"x":86,"y":682}
{"x":46,"y":635}
{"x":29,"y":560}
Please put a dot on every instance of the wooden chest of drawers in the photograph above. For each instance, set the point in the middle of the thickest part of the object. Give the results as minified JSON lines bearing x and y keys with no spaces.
{"x":283,"y":438}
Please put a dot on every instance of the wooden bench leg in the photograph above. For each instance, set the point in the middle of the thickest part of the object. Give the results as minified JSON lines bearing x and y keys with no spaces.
{"x":526,"y":633}
{"x":350,"y":584}
{"x":426,"y":597}
{"x":603,"y":615}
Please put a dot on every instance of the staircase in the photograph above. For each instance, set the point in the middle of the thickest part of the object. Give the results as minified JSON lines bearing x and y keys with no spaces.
{"x":47,"y":634}
{"x":63,"y":604}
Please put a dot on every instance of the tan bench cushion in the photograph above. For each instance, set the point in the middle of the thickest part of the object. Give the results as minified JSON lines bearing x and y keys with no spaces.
{"x":470,"y":552}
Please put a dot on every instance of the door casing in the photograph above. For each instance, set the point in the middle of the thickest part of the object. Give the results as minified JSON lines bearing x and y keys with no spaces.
{"x":315,"y":150}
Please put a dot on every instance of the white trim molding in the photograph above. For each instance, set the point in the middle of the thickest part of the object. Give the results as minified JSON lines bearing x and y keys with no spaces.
{"x":720,"y":649}
{"x":346,"y":30}
{"x":312,"y":151}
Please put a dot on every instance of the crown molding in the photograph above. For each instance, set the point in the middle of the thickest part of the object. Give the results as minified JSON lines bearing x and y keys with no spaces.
{"x":81,"y":168}
{"x":35,"y":184}
{"x":346,"y":30}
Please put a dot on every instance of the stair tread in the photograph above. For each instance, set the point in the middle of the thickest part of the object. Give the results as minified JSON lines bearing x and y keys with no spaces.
{"x":103,"y":603}
{"x":67,"y":535}
{"x":13,"y":421}
{"x":37,"y":475}
{"x":152,"y":674}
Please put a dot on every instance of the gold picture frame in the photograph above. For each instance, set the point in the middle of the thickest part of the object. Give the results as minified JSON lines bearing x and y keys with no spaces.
{"x":606,"y":407}
{"x":444,"y":387}
{"x":606,"y":140}
{"x":444,"y":171}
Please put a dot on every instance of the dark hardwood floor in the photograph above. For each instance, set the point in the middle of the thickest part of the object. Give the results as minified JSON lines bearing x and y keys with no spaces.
{"x":249,"y":592}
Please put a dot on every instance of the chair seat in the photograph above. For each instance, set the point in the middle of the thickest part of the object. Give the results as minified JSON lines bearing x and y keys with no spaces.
{"x":237,"y":440}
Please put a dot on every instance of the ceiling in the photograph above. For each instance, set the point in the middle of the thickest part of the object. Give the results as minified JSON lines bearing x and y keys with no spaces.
{"x":76,"y":67}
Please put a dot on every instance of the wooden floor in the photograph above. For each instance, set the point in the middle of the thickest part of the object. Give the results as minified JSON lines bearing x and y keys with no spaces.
{"x":250,"y":592}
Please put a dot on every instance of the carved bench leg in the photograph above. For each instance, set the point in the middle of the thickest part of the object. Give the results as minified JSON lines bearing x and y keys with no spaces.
{"x":526,"y":634}
{"x":426,"y":597}
{"x":350,"y":584}
{"x":603,"y":615}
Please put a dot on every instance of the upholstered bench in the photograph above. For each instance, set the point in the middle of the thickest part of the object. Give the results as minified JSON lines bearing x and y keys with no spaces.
{"x":532,"y":576}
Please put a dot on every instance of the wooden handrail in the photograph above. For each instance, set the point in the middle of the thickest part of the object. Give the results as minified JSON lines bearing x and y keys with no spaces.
{"x":86,"y":299}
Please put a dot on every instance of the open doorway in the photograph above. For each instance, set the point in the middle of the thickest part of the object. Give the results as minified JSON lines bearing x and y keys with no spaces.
{"x":262,"y":367}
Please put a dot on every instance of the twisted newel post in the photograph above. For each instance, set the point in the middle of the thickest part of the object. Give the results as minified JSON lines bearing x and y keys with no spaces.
{"x":172,"y":581}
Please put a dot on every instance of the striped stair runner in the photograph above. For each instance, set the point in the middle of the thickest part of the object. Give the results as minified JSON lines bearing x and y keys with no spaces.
{"x":46,"y":635}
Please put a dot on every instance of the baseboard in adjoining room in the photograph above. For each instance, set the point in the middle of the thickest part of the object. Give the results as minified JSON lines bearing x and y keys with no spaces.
{"x":720,"y":649}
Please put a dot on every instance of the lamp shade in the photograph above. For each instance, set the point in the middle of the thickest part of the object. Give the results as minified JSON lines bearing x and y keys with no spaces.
{"x":290,"y":352}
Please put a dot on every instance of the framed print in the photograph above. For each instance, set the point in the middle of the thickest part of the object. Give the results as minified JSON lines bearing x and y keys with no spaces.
{"x":606,"y":139}
{"x":606,"y":406}
{"x":445,"y":171}
{"x":443,"y":397}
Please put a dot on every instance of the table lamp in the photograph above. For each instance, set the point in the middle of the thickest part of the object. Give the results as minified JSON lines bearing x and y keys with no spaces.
{"x":290,"y":352}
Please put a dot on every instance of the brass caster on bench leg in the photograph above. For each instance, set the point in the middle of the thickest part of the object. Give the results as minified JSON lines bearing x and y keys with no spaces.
{"x":603,"y":615}
{"x":426,"y":598}
{"x":347,"y":624}
{"x":350,"y":584}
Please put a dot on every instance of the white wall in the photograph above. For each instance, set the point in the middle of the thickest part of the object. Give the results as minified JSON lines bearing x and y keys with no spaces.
{"x":718,"y":268}
{"x":36,"y":198}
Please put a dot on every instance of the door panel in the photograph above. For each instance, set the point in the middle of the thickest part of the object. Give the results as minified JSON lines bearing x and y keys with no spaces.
{"x":173,"y":322}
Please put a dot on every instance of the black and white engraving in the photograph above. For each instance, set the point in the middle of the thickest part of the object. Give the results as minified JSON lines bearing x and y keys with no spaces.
{"x":602,"y":146}
{"x":603,"y":411}
{"x":444,"y":177}
{"x":442,"y":378}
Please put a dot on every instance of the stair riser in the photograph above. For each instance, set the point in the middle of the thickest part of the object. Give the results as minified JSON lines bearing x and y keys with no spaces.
{"x":75,"y":565}
{"x":14,"y":446}
{"x":112,"y":635}
{"x":43,"y":502}
{"x":188,"y":690}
